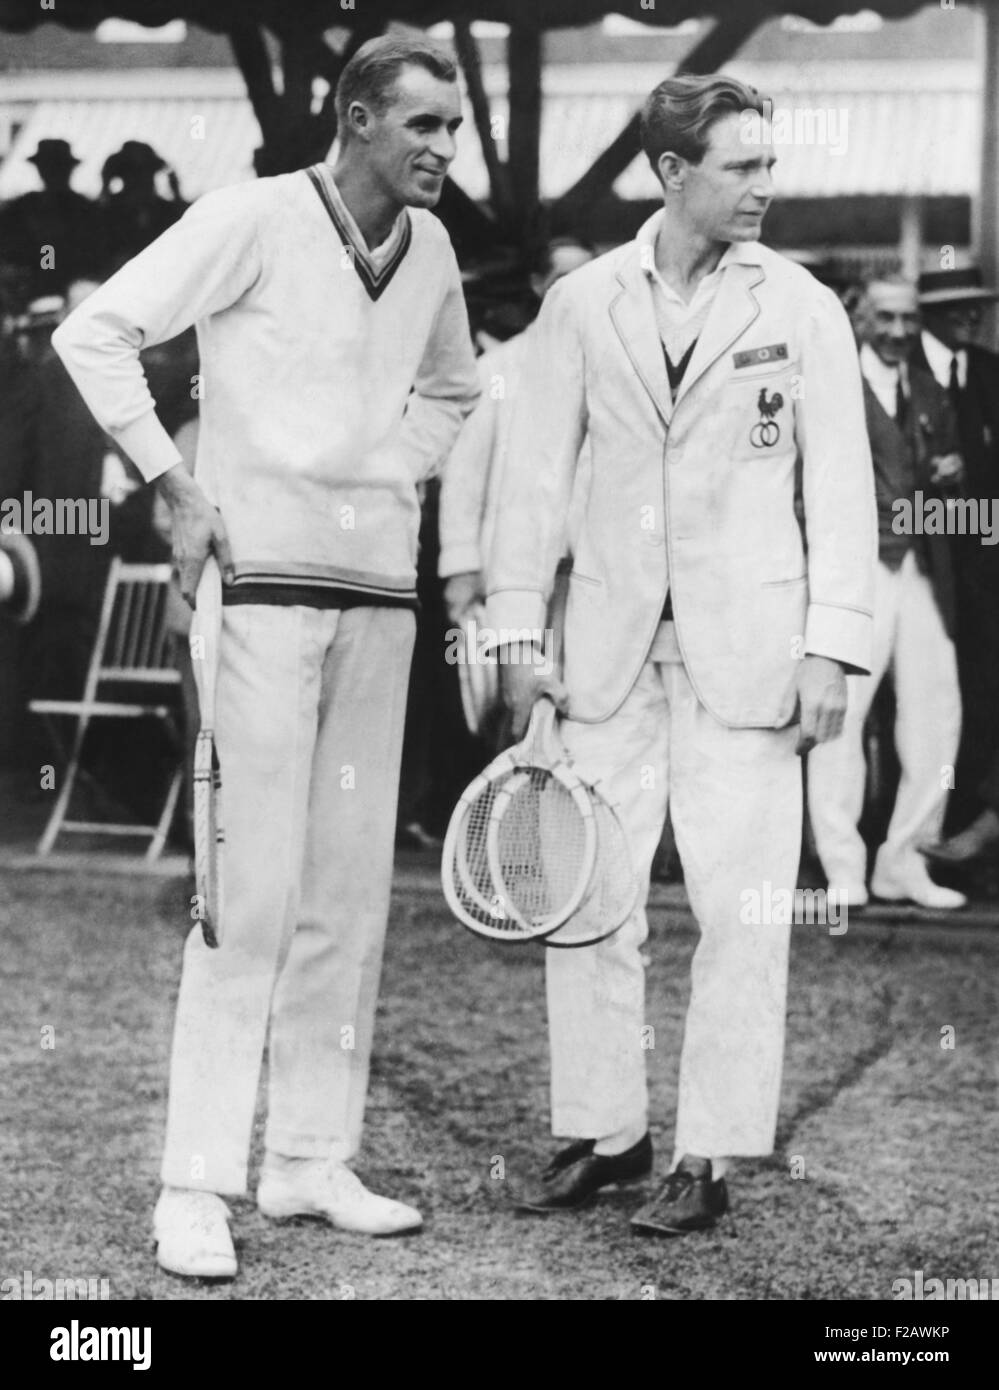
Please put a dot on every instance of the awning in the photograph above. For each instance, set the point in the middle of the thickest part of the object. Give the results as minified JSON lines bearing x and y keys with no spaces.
{"x":889,"y":128}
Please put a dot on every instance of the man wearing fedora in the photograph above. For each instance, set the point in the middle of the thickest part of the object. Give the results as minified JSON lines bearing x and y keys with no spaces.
{"x":134,"y":213}
{"x":952,"y":303}
{"x":52,"y":234}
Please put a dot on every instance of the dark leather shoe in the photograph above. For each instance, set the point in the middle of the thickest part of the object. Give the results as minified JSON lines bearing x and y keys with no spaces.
{"x":687,"y":1201}
{"x":576,"y":1174}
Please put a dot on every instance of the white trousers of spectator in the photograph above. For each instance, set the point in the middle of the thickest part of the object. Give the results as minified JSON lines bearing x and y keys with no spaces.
{"x":736,"y":803}
{"x":910,"y":644}
{"x":309,"y":722}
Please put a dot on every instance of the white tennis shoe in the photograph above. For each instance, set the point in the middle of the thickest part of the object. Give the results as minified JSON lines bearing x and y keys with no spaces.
{"x":192,"y":1234}
{"x":328,"y":1189}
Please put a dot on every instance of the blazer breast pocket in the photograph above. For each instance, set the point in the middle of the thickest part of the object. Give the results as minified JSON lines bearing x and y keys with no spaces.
{"x":758,"y":410}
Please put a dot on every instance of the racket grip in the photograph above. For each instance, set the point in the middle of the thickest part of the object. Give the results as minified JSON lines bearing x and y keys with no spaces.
{"x":206,"y":630}
{"x":541,"y":736}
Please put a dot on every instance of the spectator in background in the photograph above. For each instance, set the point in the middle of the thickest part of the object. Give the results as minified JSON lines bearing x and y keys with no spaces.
{"x":914,"y":447}
{"x":439,"y":754}
{"x":470,"y":483}
{"x":134,"y":213}
{"x":53,"y":447}
{"x":952,"y":302}
{"x":53,"y":235}
{"x":61,"y":455}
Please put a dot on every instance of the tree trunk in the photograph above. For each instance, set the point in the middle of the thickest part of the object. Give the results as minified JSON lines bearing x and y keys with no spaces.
{"x":250,"y":52}
{"x":292,"y":136}
{"x":499,"y":184}
{"x":524,"y":61}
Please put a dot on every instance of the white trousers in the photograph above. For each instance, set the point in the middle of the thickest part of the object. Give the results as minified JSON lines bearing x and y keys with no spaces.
{"x":736,"y":804}
{"x":910,"y":643}
{"x":309,"y":723}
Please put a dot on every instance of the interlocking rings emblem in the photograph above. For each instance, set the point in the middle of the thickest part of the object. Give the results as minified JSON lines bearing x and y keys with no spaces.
{"x":766,"y":432}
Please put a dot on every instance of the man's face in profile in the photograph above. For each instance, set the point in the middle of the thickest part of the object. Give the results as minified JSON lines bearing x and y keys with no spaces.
{"x":727,"y":195}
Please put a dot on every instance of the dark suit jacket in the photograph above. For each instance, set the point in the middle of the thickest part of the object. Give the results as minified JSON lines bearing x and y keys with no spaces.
{"x":902,"y":467}
{"x":976,"y":406}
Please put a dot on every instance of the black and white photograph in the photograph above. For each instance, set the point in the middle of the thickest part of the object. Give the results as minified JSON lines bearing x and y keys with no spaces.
{"x":499,"y":665}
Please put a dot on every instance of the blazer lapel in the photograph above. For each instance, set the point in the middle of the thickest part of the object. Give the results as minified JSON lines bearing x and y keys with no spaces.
{"x":634,"y":318}
{"x":735,"y":307}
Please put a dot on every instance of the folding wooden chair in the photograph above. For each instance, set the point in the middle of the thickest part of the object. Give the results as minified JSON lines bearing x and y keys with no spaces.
{"x":131,"y":649}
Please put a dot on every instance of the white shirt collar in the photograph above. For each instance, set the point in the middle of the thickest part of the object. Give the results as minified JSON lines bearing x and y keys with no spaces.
{"x":883,"y":378}
{"x":645,"y":239}
{"x":378,"y":255}
{"x":940,"y":356}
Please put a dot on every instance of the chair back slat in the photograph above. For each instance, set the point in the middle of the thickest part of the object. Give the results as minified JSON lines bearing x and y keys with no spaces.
{"x":126,"y":599}
{"x":132,"y":641}
{"x":149,"y":638}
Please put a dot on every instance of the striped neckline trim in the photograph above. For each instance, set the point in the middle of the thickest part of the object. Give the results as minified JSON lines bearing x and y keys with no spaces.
{"x":375,"y":279}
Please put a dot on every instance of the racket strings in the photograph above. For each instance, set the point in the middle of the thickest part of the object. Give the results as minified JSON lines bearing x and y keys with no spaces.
{"x":613,"y":891}
{"x":467,"y":873}
{"x":541,"y":848}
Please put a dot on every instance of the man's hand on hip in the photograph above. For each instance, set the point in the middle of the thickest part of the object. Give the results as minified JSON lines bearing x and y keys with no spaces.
{"x":821,"y":701}
{"x":197,"y":529}
{"x":522,"y":682}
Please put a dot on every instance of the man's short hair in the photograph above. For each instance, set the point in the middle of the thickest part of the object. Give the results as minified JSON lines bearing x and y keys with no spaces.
{"x":678,"y":114}
{"x":888,"y":277}
{"x":371,"y":74}
{"x":895,"y":279}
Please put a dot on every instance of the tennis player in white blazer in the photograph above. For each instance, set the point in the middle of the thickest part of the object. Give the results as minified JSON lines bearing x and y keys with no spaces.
{"x":721,"y":589}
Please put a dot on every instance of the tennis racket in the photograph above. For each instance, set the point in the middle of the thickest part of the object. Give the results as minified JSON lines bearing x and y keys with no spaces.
{"x":613,"y":891}
{"x":532,"y":864}
{"x":521,"y":844}
{"x":209,"y":836}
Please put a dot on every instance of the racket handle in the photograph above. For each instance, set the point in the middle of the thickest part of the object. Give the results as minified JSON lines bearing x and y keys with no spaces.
{"x":541,"y":736}
{"x":206,"y":630}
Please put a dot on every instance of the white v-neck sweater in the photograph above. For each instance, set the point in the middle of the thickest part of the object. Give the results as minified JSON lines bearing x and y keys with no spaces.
{"x":311,"y":443}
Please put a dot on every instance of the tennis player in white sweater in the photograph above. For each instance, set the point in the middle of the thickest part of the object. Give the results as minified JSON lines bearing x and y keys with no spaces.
{"x":337,"y":368}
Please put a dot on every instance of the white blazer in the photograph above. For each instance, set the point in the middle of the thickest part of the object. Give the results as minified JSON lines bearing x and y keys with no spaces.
{"x":694,"y":497}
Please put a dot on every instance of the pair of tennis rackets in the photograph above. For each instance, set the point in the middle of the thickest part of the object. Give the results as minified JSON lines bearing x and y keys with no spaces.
{"x":533,"y":852}
{"x":209,"y":835}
